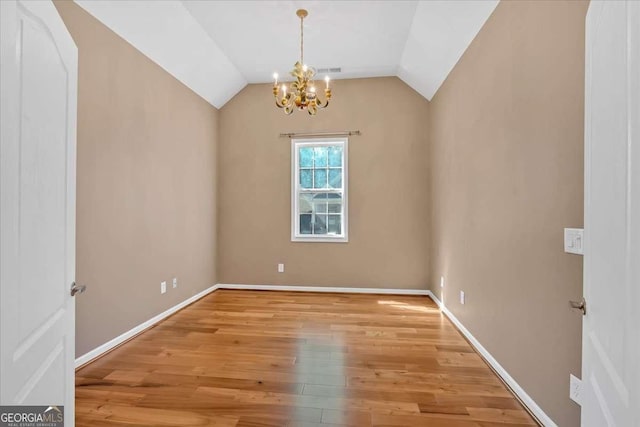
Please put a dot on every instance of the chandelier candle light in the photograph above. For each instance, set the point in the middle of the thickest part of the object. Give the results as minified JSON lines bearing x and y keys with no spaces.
{"x":301,"y":93}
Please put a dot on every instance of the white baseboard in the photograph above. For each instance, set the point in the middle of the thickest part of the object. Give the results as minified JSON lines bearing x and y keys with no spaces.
{"x":324,"y":289}
{"x":508,"y":379}
{"x":98,"y":351}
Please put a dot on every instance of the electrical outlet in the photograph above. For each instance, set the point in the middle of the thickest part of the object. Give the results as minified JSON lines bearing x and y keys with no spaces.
{"x":163,"y":287}
{"x":175,"y":282}
{"x":575,"y":389}
{"x":280,"y":268}
{"x":461,"y":297}
{"x":442,"y":281}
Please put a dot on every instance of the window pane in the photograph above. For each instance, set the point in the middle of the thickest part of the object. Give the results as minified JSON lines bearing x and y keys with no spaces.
{"x":335,"y":203}
{"x":320,"y":203}
{"x":320,"y":156}
{"x":320,"y":178}
{"x":335,"y":178}
{"x":319,"y":224}
{"x":335,"y":156}
{"x":305,"y":224}
{"x":335,"y":224}
{"x":305,"y":203}
{"x":305,"y":157}
{"x":306,"y":179}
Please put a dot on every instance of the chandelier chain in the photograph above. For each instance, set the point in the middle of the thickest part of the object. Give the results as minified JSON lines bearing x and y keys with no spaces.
{"x":301,"y":40}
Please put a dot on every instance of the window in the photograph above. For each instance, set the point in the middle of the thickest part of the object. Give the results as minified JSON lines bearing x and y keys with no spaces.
{"x":319,"y":190}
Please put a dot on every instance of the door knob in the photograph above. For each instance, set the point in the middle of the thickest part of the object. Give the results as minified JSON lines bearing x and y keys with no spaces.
{"x":579,"y":305}
{"x":77,"y":289}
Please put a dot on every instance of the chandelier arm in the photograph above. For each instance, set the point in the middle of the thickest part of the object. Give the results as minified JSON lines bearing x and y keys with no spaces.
{"x":321,"y":104}
{"x":279,"y":102}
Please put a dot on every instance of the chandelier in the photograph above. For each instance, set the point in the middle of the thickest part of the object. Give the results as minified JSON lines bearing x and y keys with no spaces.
{"x":301,"y":93}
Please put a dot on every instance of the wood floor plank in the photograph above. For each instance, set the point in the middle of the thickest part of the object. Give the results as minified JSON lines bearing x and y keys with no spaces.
{"x":263,"y":359}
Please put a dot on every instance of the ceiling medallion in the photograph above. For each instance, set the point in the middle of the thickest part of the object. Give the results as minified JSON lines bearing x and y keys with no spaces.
{"x":301,"y":93}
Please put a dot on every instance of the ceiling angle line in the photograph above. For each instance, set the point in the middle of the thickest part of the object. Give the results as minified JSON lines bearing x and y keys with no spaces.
{"x":318,"y":134}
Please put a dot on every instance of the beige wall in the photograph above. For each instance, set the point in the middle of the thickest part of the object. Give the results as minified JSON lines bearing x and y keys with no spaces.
{"x":507,"y":151}
{"x":388,"y":198}
{"x":146,"y":200}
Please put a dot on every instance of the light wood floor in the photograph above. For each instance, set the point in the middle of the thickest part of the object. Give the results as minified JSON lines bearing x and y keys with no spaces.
{"x":244,"y":358}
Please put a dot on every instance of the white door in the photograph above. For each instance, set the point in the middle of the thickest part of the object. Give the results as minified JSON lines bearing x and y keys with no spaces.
{"x":611,"y":328}
{"x":37,"y":206}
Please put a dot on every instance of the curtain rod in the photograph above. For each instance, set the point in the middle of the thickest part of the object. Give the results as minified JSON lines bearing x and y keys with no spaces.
{"x":340,"y":133}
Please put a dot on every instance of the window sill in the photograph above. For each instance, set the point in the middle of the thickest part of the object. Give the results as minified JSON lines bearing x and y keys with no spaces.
{"x":341,"y":239}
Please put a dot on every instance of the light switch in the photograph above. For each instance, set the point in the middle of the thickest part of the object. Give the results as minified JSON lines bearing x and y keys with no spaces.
{"x":575,"y":389}
{"x":573,"y":240}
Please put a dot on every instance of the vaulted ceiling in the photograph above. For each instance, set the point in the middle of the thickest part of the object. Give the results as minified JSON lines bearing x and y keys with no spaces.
{"x":217,"y":47}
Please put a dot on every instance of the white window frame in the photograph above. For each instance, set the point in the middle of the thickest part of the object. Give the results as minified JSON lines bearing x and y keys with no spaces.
{"x":295,"y":189}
